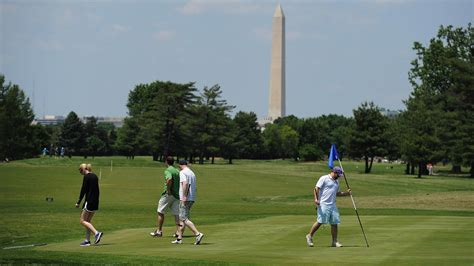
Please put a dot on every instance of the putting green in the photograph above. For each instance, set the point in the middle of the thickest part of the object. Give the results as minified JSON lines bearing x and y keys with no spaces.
{"x":281,"y":240}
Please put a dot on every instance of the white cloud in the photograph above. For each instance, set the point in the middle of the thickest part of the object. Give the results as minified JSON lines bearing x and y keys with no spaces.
{"x":164,"y":35}
{"x":194,"y":7}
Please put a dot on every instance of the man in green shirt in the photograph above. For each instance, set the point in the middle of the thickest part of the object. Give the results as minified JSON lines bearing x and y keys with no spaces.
{"x":169,"y":198}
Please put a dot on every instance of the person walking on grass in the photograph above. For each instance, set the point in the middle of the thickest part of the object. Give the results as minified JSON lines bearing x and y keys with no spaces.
{"x":89,"y":189}
{"x":169,"y":198}
{"x":325,"y":192}
{"x":187,"y":196}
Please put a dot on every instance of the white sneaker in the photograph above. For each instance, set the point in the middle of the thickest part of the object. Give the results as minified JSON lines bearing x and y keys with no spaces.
{"x":177,"y":241}
{"x":199,"y":238}
{"x":156,"y":234}
{"x":309,"y":240}
{"x":337,"y":245}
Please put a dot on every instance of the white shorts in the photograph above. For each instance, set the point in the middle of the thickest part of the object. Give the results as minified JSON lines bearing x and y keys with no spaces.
{"x":168,"y":202}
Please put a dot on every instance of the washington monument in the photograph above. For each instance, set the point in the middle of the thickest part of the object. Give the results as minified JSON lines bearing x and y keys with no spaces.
{"x":276,"y":107}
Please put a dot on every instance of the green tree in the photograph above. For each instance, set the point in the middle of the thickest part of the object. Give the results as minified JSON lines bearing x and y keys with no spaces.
{"x":105,"y":132}
{"x":16,"y":116}
{"x":419,"y":140}
{"x":292,"y":121}
{"x":248,"y":136}
{"x":317,"y":134}
{"x":314,"y":138}
{"x":128,"y":138}
{"x":161,"y":110}
{"x":72,"y":136}
{"x":461,"y":100}
{"x":369,"y":137}
{"x":210,"y":122}
{"x":272,"y":141}
{"x":96,"y":137}
{"x":289,"y":142}
{"x":229,"y":148}
{"x":441,"y":79}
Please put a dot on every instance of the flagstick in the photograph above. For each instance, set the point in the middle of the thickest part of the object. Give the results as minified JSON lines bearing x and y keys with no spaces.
{"x":353,"y":202}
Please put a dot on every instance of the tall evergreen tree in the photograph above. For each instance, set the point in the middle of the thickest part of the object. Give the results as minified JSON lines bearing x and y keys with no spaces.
{"x":72,"y":136}
{"x":440,"y":76}
{"x":210,"y":122}
{"x":369,"y":136}
{"x":129,"y":141}
{"x":248,"y":136}
{"x":161,"y":110}
{"x":16,"y":116}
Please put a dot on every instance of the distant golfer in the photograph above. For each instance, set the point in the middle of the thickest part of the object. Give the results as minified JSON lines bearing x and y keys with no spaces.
{"x":325,"y":193}
{"x":187,"y":196}
{"x":169,"y":198}
{"x":90,"y":188}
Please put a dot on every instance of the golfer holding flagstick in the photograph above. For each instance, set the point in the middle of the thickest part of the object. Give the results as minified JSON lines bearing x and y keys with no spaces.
{"x":325,"y":192}
{"x":320,"y":200}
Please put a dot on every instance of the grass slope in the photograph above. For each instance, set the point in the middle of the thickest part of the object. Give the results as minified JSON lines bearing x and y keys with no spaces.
{"x":280,"y":240}
{"x":254,"y":212}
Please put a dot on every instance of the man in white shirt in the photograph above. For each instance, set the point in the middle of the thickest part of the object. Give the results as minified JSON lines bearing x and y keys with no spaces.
{"x":187,"y":196}
{"x":325,"y":192}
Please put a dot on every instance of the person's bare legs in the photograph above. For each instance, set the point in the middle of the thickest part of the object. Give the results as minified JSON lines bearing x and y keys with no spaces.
{"x":314,"y":228}
{"x":88,"y":218}
{"x":191,"y":226}
{"x":334,"y":233}
{"x":159,"y":223}
{"x":309,"y":237}
{"x":335,"y":243}
{"x":178,"y":225}
{"x":182,"y":224}
{"x":85,"y":220}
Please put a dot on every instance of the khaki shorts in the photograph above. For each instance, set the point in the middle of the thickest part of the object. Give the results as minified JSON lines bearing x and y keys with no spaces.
{"x":184,"y":210}
{"x":168,"y":202}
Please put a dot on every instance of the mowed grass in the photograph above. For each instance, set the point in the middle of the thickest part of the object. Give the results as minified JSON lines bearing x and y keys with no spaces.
{"x":252,"y":212}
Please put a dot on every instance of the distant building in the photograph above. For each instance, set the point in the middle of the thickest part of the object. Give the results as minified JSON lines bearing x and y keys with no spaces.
{"x":59,"y":119}
{"x":390,"y":113}
{"x":116,"y":121}
{"x":48,"y":120}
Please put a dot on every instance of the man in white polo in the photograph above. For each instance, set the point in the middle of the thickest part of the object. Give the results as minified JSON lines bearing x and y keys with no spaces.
{"x":325,"y":192}
{"x":187,"y":196}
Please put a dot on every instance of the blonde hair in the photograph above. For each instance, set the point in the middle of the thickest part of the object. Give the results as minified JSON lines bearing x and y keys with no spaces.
{"x":87,"y":167}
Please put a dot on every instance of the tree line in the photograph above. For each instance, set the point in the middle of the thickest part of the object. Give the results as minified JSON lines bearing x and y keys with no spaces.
{"x":167,"y":118}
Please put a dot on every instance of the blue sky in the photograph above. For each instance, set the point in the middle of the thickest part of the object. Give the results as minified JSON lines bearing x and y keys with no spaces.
{"x":86,"y":56}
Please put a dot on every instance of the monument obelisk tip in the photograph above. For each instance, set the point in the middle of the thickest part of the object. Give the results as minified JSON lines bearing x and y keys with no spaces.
{"x":279,"y":11}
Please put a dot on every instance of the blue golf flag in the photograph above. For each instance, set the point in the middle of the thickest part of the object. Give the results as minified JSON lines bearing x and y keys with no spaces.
{"x":332,"y":156}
